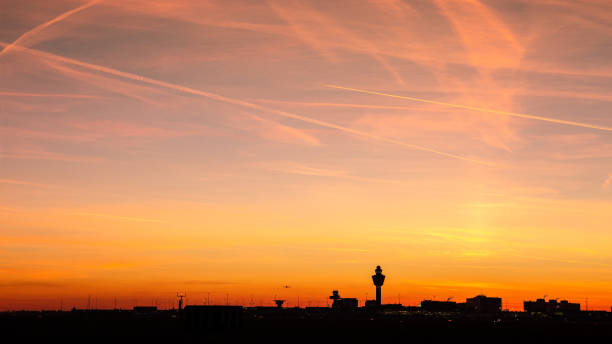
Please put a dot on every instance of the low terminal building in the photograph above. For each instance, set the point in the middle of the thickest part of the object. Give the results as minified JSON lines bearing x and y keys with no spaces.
{"x":343,"y":304}
{"x":373,"y":305}
{"x":438,"y":306}
{"x":483,"y":304}
{"x":552,"y":306}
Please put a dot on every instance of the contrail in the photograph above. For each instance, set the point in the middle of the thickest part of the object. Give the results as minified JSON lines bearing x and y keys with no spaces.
{"x":21,"y":182}
{"x":47,"y":24}
{"x":239,"y":102}
{"x":473,"y":108}
{"x":47,"y":95}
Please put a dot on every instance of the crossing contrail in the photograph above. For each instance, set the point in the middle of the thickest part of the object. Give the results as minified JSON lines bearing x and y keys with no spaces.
{"x":239,"y":102}
{"x":479,"y":109}
{"x":46,"y":24}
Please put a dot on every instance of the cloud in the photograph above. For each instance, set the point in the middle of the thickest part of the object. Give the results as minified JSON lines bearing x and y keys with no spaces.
{"x":295,"y":168}
{"x":31,"y":154}
{"x":245,"y":104}
{"x":305,"y":170}
{"x":336,"y":105}
{"x":606,"y":184}
{"x":142,"y":93}
{"x":22,"y":182}
{"x":48,"y":95}
{"x":112,"y":128}
{"x":120,"y":218}
{"x":21,"y":133}
{"x":584,"y":151}
{"x":32,"y":284}
{"x":22,"y":40}
{"x":207,"y":282}
{"x":479,"y":109}
{"x":487,"y":39}
{"x":315,"y":27}
{"x":277,"y":132}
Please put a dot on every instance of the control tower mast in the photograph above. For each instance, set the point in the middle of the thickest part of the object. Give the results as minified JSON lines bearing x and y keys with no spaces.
{"x":379,"y":279}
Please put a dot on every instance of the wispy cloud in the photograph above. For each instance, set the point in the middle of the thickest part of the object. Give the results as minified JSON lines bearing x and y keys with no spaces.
{"x":310,"y":25}
{"x":23,"y":182}
{"x":29,"y":154}
{"x":119,"y":218}
{"x":496,"y":46}
{"x":336,"y":105}
{"x":606,"y":184}
{"x":479,"y":109}
{"x":21,"y":40}
{"x":242,"y":103}
{"x":142,"y":93}
{"x":48,"y":95}
{"x":207,"y":282}
{"x":32,"y":284}
{"x":317,"y":171}
{"x":295,"y":168}
{"x":275,"y":131}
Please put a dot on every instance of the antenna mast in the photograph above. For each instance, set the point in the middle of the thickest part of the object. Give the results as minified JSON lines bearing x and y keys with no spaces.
{"x":180,"y":296}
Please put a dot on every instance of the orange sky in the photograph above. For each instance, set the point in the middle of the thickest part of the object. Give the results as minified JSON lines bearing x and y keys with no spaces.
{"x":228,"y":150}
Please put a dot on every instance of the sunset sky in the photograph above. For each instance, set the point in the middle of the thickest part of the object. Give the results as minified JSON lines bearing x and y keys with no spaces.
{"x":230,"y":148}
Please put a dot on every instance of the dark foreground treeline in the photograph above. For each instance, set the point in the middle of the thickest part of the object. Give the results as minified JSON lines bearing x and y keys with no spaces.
{"x":298,"y":325}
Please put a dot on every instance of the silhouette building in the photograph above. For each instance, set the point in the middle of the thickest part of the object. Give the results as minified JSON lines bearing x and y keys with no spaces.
{"x":552,"y":306}
{"x":343,"y":304}
{"x":379,"y":279}
{"x":483,"y":304}
{"x":279,"y":303}
{"x":438,"y":306}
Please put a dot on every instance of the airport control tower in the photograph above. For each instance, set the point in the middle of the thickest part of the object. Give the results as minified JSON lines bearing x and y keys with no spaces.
{"x":378,"y":278}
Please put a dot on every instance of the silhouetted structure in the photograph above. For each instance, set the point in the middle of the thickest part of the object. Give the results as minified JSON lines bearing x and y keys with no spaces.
{"x":343,"y":304}
{"x":213,"y":318}
{"x":145,"y":309}
{"x":279,"y":303}
{"x":224,"y":324}
{"x":478,"y":319}
{"x":379,"y":279}
{"x":180,"y":301}
{"x":438,"y":306}
{"x":566,"y":306}
{"x":552,"y":306}
{"x":371,"y":304}
{"x":483,"y":304}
